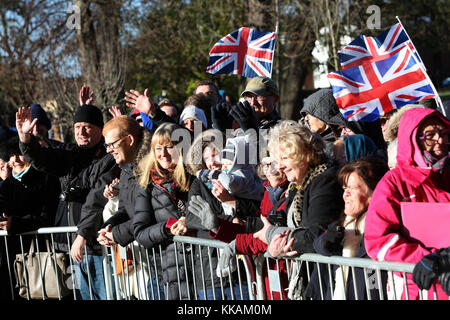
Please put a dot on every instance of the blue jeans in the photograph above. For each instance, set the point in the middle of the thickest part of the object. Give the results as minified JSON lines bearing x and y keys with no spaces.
{"x":226,"y":293}
{"x":154,"y":296}
{"x":96,"y":275}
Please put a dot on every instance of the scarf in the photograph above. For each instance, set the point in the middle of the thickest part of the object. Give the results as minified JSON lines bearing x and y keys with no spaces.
{"x":171,"y":187}
{"x":435,"y":164}
{"x":275,"y":192}
{"x":352,"y":238}
{"x":20,"y":175}
{"x":296,"y":208}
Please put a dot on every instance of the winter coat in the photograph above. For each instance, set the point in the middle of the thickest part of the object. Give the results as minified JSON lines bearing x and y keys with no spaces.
{"x":153,"y":208}
{"x":322,"y":205}
{"x":78,"y":170}
{"x":91,"y":218}
{"x":322,"y":105}
{"x":313,"y":288}
{"x":121,"y":221}
{"x":241,"y":179}
{"x":31,"y":203}
{"x":248,"y":245}
{"x":386,"y":238}
{"x":243,"y":209}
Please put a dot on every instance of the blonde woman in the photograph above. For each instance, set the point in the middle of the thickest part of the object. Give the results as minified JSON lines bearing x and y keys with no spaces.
{"x":160,"y":210}
{"x":314,"y":195}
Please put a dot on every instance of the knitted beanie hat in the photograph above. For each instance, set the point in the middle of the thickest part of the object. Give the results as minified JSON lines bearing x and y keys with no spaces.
{"x":38,"y":112}
{"x":90,"y":114}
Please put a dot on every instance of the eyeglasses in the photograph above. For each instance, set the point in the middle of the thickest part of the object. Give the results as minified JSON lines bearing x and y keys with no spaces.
{"x":431,"y":137}
{"x":269,"y":165}
{"x":114,"y":145}
{"x":260,"y":99}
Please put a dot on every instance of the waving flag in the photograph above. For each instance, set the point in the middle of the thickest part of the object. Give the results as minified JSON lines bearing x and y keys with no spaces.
{"x":365,"y":92}
{"x":370,"y":49}
{"x":245,"y":51}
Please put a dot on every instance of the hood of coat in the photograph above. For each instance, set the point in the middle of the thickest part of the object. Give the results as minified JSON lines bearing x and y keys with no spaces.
{"x":408,"y":151}
{"x":245,"y":152}
{"x":194,"y":157}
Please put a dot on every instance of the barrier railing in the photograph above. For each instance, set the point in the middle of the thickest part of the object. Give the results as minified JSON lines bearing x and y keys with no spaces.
{"x":188,"y":270}
{"x":135,"y":272}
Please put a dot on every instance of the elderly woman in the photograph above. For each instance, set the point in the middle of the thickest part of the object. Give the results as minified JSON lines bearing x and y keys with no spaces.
{"x":314,"y":194}
{"x":160,"y":210}
{"x":422,"y":177}
{"x":345,"y":237}
{"x":28,"y":198}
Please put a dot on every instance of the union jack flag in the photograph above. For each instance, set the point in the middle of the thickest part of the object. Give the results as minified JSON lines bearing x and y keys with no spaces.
{"x":369,"y":49}
{"x":245,"y":51}
{"x":366,"y":92}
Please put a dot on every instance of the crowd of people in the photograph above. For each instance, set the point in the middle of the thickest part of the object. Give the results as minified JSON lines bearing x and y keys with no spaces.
{"x":237,"y":173}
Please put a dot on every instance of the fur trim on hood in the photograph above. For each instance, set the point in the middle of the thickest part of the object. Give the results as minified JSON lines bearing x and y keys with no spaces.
{"x":194,"y":158}
{"x":391,"y":130}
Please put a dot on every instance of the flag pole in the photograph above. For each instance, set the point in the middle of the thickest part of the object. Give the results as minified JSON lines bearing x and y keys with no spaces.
{"x":421,"y":61}
{"x":437,"y":98}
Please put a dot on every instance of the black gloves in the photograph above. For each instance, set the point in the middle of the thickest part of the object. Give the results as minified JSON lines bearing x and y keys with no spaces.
{"x":444,"y":280}
{"x":431,"y":266}
{"x":220,"y":116}
{"x":332,"y":238}
{"x":245,"y":116}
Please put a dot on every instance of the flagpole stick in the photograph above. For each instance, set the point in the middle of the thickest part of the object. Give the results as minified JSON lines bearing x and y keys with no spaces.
{"x":421,"y":61}
{"x":437,"y":98}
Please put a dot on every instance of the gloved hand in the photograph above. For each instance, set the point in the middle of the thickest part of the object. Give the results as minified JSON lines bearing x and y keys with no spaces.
{"x":245,"y":115}
{"x":220,"y":116}
{"x":200,"y":208}
{"x":205,"y":174}
{"x":426,"y":270}
{"x":227,"y":261}
{"x":431,"y":266}
{"x":332,"y":238}
{"x":444,"y":280}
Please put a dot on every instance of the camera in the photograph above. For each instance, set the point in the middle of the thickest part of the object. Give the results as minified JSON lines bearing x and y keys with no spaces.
{"x":277,"y":218}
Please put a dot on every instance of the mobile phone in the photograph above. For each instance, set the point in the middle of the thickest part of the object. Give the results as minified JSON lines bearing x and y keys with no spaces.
{"x":2,"y":218}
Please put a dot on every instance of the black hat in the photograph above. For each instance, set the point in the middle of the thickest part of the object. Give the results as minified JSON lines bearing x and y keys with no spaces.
{"x":9,"y":148}
{"x":38,"y":112}
{"x":90,"y":114}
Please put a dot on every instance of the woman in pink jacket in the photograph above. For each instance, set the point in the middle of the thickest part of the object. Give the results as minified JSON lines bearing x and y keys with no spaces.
{"x":422,"y":175}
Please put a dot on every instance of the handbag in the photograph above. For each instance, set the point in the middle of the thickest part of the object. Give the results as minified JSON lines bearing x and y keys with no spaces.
{"x":33,"y":267}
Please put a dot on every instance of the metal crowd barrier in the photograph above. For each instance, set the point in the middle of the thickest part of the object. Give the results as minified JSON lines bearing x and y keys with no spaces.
{"x":137,"y":273}
{"x":371,"y":269}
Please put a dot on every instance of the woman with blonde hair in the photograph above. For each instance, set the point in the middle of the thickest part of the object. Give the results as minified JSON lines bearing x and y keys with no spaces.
{"x":160,"y":211}
{"x":314,"y":195}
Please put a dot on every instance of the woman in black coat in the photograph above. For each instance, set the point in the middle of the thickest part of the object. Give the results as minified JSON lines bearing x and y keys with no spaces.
{"x":314,"y":195}
{"x":28,"y":201}
{"x":346,"y":237}
{"x":160,"y":211}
